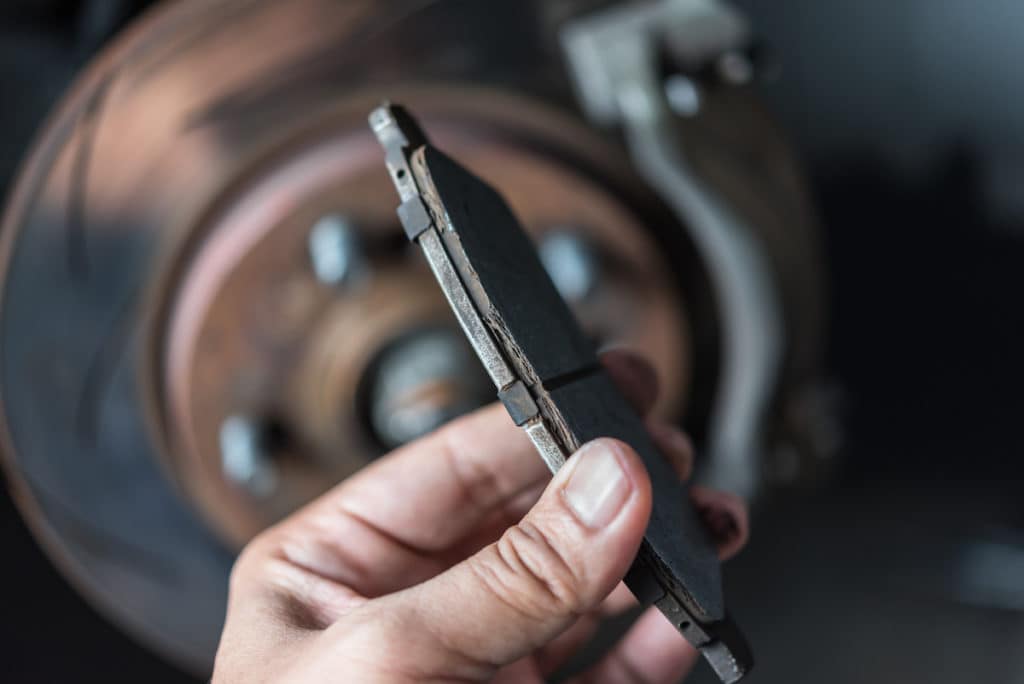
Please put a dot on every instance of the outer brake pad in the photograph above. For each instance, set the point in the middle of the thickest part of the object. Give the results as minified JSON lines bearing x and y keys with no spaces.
{"x":548,"y":375}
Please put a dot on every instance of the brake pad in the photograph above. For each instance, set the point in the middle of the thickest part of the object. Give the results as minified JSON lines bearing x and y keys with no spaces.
{"x":548,"y":375}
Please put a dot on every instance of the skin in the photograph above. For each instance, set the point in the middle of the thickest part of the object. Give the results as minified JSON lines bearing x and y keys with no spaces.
{"x":459,"y":558}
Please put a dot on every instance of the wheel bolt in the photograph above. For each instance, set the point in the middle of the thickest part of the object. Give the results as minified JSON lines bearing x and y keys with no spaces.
{"x":335,"y":250}
{"x":245,"y":459}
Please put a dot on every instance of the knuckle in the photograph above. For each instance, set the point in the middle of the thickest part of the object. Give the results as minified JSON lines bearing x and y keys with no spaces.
{"x":239,"y":581}
{"x":527,"y":570}
{"x":248,"y":562}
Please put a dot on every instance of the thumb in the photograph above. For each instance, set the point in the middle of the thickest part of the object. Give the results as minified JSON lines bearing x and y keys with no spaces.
{"x":565,"y":556}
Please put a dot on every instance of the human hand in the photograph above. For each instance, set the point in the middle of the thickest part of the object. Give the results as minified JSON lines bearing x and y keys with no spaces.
{"x":458,"y":558}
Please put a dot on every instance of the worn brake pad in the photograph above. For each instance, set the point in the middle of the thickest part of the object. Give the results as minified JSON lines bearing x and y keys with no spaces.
{"x":548,"y":375}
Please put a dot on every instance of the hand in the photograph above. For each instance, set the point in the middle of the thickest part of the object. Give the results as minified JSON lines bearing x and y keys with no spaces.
{"x":458,"y":558}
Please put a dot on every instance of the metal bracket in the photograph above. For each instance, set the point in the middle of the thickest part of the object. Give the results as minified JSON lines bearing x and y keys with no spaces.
{"x":614,"y":60}
{"x":518,"y":402}
{"x":414,"y":217}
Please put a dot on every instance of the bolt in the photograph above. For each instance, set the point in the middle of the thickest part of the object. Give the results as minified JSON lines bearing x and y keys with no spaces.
{"x":683,"y":95}
{"x":244,"y":458}
{"x":335,"y":250}
{"x":571,"y":263}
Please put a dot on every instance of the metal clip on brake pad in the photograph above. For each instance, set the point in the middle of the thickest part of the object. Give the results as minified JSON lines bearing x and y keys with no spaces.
{"x":547,"y":373}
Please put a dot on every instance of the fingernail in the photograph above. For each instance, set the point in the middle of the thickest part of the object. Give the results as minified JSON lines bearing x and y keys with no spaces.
{"x":598,"y":486}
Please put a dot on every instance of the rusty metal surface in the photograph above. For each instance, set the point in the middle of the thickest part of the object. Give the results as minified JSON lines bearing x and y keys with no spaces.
{"x":250,"y":330}
{"x":159,"y":298}
{"x":171,"y":306}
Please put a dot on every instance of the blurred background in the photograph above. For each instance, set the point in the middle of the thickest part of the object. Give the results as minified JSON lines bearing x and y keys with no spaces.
{"x":208,"y":314}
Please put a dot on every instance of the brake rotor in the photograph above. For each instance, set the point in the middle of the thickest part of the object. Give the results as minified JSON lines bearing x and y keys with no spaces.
{"x":252,"y":332}
{"x":208,"y":315}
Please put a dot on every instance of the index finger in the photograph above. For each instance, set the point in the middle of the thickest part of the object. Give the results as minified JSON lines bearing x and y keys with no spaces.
{"x":384,"y":528}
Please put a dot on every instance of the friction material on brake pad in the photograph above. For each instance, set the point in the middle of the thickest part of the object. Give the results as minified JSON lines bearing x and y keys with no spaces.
{"x":548,"y":375}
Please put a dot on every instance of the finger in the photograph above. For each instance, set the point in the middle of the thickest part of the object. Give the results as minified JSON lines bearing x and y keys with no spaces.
{"x":494,"y":525}
{"x":432,"y":492}
{"x":678,"y":450}
{"x":561,"y":561}
{"x":674,"y":445}
{"x":620,"y":600}
{"x":652,"y":651}
{"x":552,"y":655}
{"x":635,"y":378}
{"x":725,"y":516}
{"x":670,"y":440}
{"x":381,"y":529}
{"x":264,"y":583}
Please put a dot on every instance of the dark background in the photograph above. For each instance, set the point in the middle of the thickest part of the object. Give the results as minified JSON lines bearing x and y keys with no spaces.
{"x":909,"y":566}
